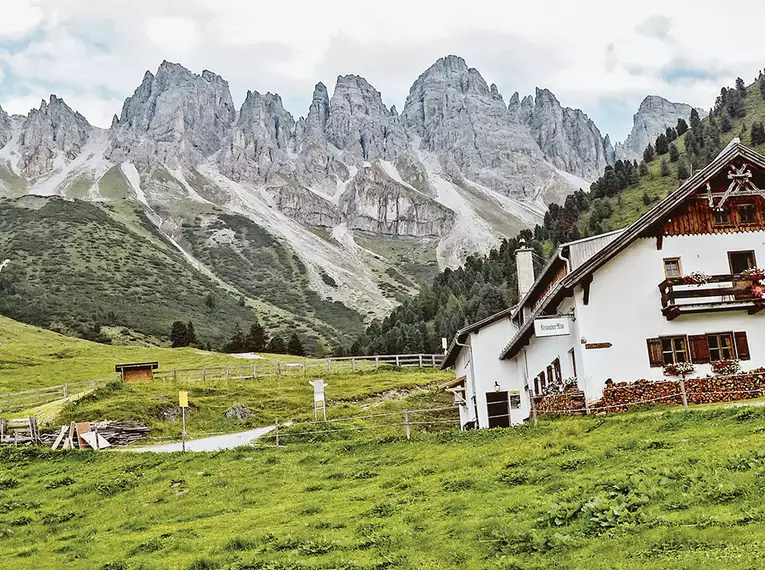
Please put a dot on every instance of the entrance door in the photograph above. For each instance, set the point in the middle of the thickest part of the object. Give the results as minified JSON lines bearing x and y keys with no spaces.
{"x":498,"y":406}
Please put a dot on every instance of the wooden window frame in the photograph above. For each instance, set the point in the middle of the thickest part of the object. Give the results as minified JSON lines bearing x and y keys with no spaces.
{"x":719,"y":348}
{"x":747,"y":251}
{"x":516,"y":403}
{"x":572,"y":359}
{"x":755,"y":219}
{"x":679,"y":267}
{"x":716,"y":224}
{"x":673,"y":349}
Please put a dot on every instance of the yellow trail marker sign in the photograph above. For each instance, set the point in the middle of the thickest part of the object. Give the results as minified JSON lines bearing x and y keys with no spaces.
{"x":183,"y":399}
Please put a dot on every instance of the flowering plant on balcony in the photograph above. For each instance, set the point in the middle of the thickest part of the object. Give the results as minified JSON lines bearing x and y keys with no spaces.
{"x":758,"y":290}
{"x":678,"y":369}
{"x":697,"y":278}
{"x":571,"y":382}
{"x":726,"y":367}
{"x":753,"y":274}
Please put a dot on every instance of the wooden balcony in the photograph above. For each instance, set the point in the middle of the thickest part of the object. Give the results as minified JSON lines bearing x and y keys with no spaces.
{"x":721,"y":293}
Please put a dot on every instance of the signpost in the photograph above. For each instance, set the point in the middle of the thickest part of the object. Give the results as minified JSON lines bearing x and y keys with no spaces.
{"x":552,"y":326}
{"x":183,"y":403}
{"x":318,"y":399}
{"x":597,"y":345}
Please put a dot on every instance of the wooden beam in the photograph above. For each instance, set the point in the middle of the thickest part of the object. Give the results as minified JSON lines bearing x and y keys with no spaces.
{"x":660,"y":238}
{"x":586,"y":287}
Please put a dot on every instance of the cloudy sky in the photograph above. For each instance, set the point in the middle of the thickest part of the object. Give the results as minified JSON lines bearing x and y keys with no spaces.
{"x":602,"y":57}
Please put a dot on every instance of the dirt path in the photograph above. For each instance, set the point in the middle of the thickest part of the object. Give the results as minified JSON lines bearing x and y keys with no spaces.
{"x":215,"y":443}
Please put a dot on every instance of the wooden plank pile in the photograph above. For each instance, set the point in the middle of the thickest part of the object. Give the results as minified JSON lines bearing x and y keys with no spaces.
{"x":17,"y":431}
{"x":97,"y":435}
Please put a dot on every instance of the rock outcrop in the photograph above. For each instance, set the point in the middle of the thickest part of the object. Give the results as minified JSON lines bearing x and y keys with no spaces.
{"x":5,"y":128}
{"x":374,"y":202}
{"x":653,"y":117}
{"x":174,"y":118}
{"x":49,"y":133}
{"x":260,"y":142}
{"x":456,"y":115}
{"x":568,"y":137}
{"x":306,"y":207}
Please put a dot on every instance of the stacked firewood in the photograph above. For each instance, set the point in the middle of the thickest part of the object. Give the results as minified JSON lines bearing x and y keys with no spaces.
{"x":116,"y":433}
{"x":570,"y":401}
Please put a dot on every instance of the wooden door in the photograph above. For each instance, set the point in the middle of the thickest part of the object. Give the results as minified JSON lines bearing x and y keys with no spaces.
{"x":498,"y":407}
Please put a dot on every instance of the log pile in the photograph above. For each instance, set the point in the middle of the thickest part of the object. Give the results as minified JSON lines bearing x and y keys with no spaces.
{"x":560,"y":403}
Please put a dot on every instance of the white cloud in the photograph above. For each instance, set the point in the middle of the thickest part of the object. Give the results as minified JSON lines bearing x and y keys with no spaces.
{"x":19,"y":17}
{"x":94,"y":53}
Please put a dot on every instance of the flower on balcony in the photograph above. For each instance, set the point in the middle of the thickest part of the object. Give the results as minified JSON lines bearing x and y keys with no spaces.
{"x":697,"y":278}
{"x":726,"y":367}
{"x":753,"y":274}
{"x":678,"y":369}
{"x":758,"y":290}
{"x":571,"y":382}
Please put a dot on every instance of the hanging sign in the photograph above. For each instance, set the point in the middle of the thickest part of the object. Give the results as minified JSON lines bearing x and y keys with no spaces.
{"x":555,"y":326}
{"x":183,"y":399}
{"x":595,"y":345}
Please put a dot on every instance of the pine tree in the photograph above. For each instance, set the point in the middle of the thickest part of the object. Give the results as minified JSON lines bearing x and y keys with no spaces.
{"x":295,"y":346}
{"x":682,"y":127}
{"x":649,"y":153}
{"x":191,"y":335}
{"x":210,"y":301}
{"x":682,"y":170}
{"x":674,"y":154}
{"x":178,"y":335}
{"x":662,"y":144}
{"x":276,"y":345}
{"x":237,"y":343}
{"x":664,"y":167}
{"x":761,"y":82}
{"x":257,"y":338}
{"x":646,"y":199}
{"x":740,"y":86}
{"x":725,"y":123}
{"x":643,"y":169}
{"x":758,"y":134}
{"x":671,"y":133}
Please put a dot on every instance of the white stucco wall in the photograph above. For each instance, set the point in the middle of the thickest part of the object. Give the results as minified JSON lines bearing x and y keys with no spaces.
{"x":486,"y":345}
{"x":625,"y":307}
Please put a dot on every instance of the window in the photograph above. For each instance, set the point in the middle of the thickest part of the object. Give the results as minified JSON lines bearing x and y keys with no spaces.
{"x":741,"y":261}
{"x":721,"y":218}
{"x":556,"y":368}
{"x":572,"y":357}
{"x":720,"y":346}
{"x":542,"y":381}
{"x":698,"y":349}
{"x":674,"y":349}
{"x":672,"y":268}
{"x":550,"y":375}
{"x":747,"y":214}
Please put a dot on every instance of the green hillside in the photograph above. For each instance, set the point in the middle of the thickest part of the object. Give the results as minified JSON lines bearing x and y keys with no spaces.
{"x":31,"y":357}
{"x":641,"y":491}
{"x":81,"y":268}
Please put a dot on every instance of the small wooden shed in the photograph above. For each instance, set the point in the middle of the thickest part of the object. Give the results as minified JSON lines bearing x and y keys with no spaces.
{"x":138,"y":372}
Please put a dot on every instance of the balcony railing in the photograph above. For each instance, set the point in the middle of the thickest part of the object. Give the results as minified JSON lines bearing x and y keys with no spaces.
{"x":721,"y":293}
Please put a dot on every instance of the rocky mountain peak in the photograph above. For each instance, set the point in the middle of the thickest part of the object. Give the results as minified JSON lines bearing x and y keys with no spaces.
{"x":174,"y":117}
{"x":260,"y":139}
{"x":51,"y":131}
{"x":653,"y":117}
{"x":318,"y":112}
{"x":360,"y":123}
{"x":568,"y":137}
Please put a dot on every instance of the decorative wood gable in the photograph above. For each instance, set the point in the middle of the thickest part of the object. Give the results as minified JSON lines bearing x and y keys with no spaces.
{"x":731,"y":200}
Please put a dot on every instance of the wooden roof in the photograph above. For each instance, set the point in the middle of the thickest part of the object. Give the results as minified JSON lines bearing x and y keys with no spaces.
{"x":136,"y":366}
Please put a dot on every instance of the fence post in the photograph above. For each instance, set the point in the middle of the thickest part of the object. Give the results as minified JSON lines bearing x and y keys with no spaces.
{"x":66,"y":390}
{"x":204,"y":374}
{"x":398,"y":360}
{"x":377,"y":363}
{"x":406,"y":425}
{"x":353,"y":364}
{"x":329,"y":365}
{"x":304,"y":372}
{"x":433,"y":360}
{"x":254,"y":371}
{"x":278,"y":368}
{"x":175,"y":375}
{"x":228,"y":373}
{"x":684,"y":394}
{"x":94,"y":384}
{"x":420,"y":355}
{"x":533,"y":411}
{"x":276,"y":423}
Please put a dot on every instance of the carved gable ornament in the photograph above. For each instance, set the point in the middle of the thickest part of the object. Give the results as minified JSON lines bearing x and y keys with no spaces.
{"x":740,"y":185}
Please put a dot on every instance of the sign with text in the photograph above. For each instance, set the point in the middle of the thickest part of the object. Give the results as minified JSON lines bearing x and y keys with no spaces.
{"x":183,"y":399}
{"x":555,"y":326}
{"x":597,"y":345}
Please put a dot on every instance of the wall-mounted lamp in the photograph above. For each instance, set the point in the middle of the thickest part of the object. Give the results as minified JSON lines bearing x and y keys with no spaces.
{"x":496,"y":386}
{"x":584,"y":340}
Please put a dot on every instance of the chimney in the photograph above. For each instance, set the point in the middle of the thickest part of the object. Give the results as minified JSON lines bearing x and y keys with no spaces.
{"x":524,"y":265}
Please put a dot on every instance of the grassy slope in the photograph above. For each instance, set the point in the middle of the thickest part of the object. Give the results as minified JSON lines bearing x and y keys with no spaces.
{"x":33,"y":358}
{"x":629,"y":206}
{"x":288,"y":398}
{"x":642,"y":491}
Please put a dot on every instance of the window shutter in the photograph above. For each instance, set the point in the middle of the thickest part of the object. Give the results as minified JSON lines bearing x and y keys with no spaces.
{"x":742,"y":345}
{"x":699,"y":348}
{"x":655,"y":354}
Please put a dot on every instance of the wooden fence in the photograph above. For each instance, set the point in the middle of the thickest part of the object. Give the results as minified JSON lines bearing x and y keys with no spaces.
{"x":256,"y":369}
{"x":264,"y":368}
{"x":32,"y":398}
